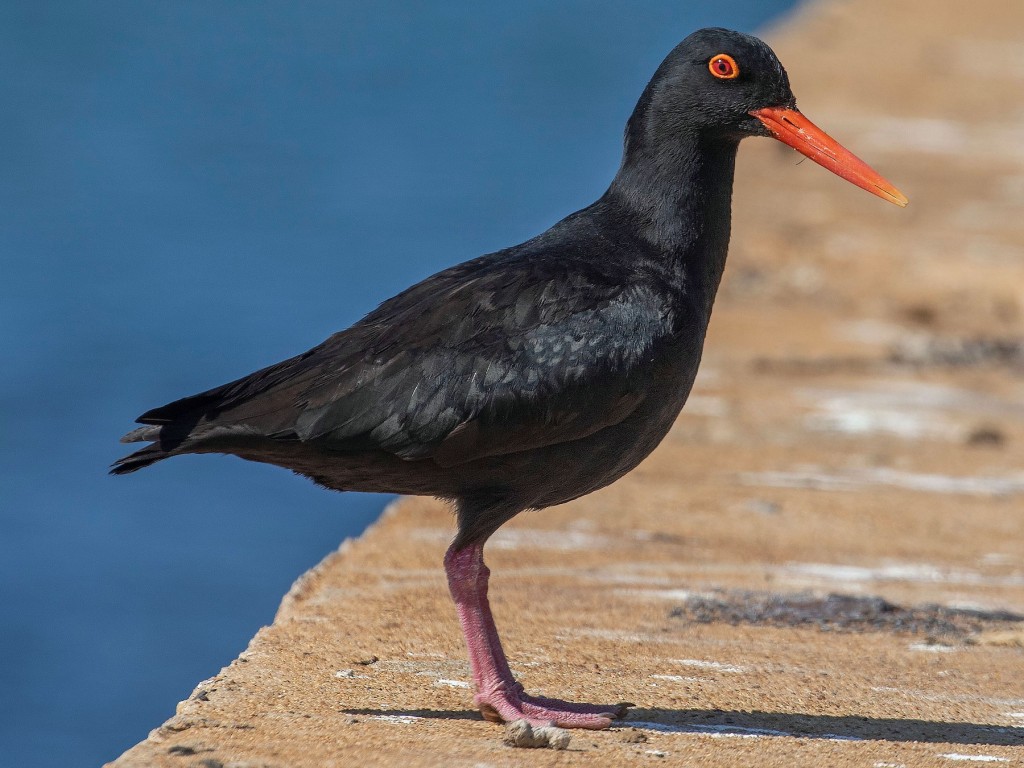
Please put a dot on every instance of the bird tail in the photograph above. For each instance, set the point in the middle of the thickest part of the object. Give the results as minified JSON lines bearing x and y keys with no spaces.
{"x":148,"y":455}
{"x":169,"y":429}
{"x":144,"y":457}
{"x":187,"y":425}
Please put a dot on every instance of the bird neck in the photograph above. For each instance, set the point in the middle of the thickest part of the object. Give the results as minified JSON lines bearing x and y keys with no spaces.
{"x":677,"y":196}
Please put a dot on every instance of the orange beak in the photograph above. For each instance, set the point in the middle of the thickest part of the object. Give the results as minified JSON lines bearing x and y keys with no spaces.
{"x":790,"y":127}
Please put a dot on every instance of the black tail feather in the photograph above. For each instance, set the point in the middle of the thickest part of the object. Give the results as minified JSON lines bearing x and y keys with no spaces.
{"x":192,"y":406}
{"x":172,"y":427}
{"x":143,"y":458}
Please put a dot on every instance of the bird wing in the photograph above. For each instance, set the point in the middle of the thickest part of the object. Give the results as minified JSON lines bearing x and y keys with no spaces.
{"x":487,"y":358}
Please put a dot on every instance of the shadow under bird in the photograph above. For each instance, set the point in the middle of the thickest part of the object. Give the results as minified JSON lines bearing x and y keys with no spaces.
{"x":534,"y":375}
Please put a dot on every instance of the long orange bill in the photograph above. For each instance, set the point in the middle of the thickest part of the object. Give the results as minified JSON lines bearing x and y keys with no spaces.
{"x":790,"y":127}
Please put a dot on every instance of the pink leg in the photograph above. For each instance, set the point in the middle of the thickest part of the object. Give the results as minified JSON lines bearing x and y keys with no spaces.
{"x":499,"y":696}
{"x":532,"y":704}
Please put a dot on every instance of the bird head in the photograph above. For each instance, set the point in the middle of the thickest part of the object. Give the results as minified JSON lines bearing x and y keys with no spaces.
{"x":726,"y":85}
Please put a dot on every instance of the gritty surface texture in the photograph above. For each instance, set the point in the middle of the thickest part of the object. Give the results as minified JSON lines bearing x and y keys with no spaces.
{"x":857,"y":430}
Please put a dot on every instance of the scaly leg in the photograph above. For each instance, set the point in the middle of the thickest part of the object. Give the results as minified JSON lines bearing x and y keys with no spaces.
{"x":499,"y":696}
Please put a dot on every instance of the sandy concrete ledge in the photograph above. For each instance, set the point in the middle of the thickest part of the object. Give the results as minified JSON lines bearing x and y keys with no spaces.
{"x":858,"y":428}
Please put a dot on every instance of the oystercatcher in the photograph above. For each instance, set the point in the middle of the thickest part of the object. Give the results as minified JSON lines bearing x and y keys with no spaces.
{"x":534,"y":375}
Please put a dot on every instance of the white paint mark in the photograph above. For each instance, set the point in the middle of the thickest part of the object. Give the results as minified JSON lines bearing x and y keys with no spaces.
{"x":659,"y":727}
{"x":656,"y":753}
{"x":856,"y":479}
{"x":895,"y":572}
{"x":403,"y":719}
{"x":841,"y":417}
{"x":452,"y":683}
{"x":735,"y":731}
{"x":709,"y":730}
{"x":931,"y":647}
{"x":348,"y":673}
{"x":907,"y":409}
{"x":674,"y":678}
{"x":871,"y":412}
{"x":675,"y":595}
{"x":716,"y":665}
{"x":975,"y":758}
{"x":914,"y":572}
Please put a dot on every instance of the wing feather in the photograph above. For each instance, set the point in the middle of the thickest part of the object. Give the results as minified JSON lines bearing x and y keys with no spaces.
{"x":487,"y":358}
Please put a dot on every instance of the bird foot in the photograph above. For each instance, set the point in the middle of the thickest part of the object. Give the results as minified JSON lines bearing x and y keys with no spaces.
{"x":503,"y":706}
{"x":614,"y":711}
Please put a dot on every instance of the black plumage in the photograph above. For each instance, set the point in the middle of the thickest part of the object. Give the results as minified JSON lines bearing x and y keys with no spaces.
{"x":530,"y":376}
{"x":479,"y":381}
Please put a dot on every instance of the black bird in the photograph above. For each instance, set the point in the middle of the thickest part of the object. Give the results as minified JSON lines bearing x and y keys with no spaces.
{"x":537,"y":374}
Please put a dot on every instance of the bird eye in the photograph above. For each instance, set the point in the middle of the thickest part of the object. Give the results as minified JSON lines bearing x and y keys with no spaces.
{"x":724,"y":67}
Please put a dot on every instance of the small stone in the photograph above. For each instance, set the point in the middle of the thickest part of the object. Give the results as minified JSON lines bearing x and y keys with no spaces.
{"x":520,"y":733}
{"x":763,"y":507}
{"x":986,"y":436}
{"x":175,"y":725}
{"x":187,"y":749}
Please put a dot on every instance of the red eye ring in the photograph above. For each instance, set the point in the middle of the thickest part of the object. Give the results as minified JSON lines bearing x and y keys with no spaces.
{"x":724,"y":67}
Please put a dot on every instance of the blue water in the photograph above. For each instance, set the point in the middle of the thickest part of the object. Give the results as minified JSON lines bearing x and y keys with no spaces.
{"x":189,"y":191}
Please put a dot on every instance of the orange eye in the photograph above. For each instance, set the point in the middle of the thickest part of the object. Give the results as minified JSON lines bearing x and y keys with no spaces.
{"x":724,"y":67}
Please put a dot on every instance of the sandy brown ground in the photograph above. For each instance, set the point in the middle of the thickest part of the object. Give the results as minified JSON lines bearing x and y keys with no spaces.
{"x":858,"y":428}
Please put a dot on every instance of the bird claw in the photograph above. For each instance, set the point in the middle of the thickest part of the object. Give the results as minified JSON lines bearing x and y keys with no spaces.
{"x":612,"y":711}
{"x":509,"y":706}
